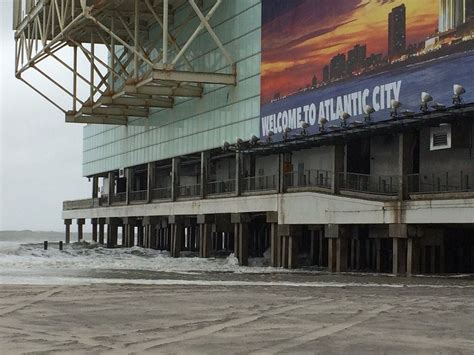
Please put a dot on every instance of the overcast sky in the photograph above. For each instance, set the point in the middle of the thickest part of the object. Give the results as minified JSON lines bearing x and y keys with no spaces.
{"x":40,"y":155}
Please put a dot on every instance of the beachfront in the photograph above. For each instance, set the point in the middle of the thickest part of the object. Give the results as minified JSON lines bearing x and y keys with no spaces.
{"x":258,"y":314}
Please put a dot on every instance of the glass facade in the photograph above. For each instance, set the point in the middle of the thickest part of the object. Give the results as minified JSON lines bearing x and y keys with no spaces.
{"x":222,"y":114}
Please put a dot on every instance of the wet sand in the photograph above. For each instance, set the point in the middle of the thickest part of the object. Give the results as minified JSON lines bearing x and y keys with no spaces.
{"x":248,"y":317}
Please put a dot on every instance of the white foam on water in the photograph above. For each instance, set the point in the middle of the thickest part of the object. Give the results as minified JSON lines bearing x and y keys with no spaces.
{"x":91,"y":256}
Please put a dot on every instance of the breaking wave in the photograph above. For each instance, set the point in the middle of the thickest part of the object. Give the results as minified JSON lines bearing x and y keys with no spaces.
{"x":90,"y":256}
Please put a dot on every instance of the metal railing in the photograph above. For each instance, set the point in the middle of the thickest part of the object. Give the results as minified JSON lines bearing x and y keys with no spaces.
{"x":81,"y":204}
{"x":440,"y":182}
{"x":189,"y":191}
{"x":120,"y":197}
{"x":259,"y":183}
{"x":309,"y":178}
{"x":221,"y":187}
{"x":161,"y":193}
{"x":138,"y":195}
{"x":104,"y":200}
{"x":375,"y":184}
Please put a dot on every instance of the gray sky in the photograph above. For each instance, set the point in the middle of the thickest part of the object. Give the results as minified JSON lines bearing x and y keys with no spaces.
{"x":40,"y":155}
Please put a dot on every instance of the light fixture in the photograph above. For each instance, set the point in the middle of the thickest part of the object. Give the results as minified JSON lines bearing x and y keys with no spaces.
{"x":458,"y":91}
{"x":344,"y":117}
{"x":225,"y":146}
{"x":254,"y":140}
{"x":286,"y":133}
{"x":304,"y":127}
{"x":322,"y":124}
{"x":368,"y":110}
{"x":270,"y":134}
{"x":425,"y":99}
{"x":238,"y":141}
{"x":395,"y":106}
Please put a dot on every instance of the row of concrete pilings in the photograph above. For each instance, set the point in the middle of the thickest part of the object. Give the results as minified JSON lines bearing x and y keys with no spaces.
{"x":397,"y":249}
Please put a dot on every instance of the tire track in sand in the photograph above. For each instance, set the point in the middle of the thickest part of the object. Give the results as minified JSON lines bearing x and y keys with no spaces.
{"x":153,"y":344}
{"x":320,"y":333}
{"x":38,"y":298}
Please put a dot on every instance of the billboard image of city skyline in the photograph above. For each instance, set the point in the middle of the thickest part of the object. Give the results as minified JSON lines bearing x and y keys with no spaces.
{"x":322,"y":29}
{"x":321,"y":49}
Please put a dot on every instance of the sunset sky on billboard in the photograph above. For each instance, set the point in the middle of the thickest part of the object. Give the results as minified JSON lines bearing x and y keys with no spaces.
{"x":299,"y":40}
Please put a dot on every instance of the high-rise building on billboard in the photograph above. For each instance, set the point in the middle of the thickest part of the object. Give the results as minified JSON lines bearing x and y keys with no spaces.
{"x":397,"y":31}
{"x":356,"y":57}
{"x":452,"y":13}
{"x":338,"y":66}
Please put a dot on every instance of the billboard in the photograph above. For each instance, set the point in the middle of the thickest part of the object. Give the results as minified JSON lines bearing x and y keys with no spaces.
{"x":326,"y":58}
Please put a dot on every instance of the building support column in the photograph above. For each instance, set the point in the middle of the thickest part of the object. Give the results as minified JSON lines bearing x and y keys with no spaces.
{"x":128,"y":238}
{"x":205,"y":234}
{"x":378,"y":254}
{"x":342,"y":254}
{"x":80,"y":223}
{"x":410,"y":256}
{"x":275,"y":242}
{"x":321,"y":249}
{"x":337,"y":246}
{"x":67,"y":224}
{"x":149,"y":224}
{"x":292,"y":252}
{"x":399,"y":256}
{"x":289,"y":247}
{"x":101,"y":230}
{"x":140,"y":235}
{"x":112,"y":231}
{"x":177,"y":233}
{"x":275,"y":245}
{"x":94,"y":229}
{"x":241,"y":234}
{"x":332,"y":254}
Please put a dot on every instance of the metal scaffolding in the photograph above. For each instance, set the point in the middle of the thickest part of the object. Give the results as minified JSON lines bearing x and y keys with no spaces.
{"x":130,"y":71}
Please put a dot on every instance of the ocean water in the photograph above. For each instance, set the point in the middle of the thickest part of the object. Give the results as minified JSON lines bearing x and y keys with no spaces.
{"x":24,"y":260}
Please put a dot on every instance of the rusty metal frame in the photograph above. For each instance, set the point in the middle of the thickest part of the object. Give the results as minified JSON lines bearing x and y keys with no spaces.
{"x":126,"y":78}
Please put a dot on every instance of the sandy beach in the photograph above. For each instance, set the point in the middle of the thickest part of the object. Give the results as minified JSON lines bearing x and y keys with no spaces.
{"x":244,"y":318}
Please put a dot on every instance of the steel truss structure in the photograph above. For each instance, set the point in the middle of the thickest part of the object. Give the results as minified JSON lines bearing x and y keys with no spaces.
{"x":129,"y":70}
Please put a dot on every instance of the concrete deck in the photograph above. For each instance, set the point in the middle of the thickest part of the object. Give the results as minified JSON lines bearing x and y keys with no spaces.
{"x":302,"y":208}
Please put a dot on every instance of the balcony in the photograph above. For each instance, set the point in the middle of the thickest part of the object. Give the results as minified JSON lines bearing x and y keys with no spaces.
{"x":319,"y":179}
{"x":363,"y":186}
{"x":190,"y":191}
{"x":381,"y":185}
{"x":118,"y":198}
{"x":161,"y":193}
{"x":81,"y":204}
{"x":225,"y":187}
{"x":139,"y":196}
{"x":447,"y":183}
{"x":267,"y":183}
